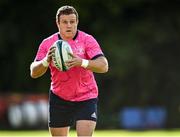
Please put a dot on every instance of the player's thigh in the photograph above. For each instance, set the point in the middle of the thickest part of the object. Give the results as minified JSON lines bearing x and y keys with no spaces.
{"x":85,"y":127}
{"x":60,"y":132}
{"x":61,"y":112}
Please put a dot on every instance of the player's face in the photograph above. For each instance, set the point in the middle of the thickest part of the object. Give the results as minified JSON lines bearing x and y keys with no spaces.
{"x":67,"y":26}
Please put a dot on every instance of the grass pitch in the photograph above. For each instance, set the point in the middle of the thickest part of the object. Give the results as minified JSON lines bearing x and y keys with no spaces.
{"x":97,"y":133}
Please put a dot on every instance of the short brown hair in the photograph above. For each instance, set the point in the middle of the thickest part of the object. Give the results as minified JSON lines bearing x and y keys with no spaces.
{"x":66,"y":10}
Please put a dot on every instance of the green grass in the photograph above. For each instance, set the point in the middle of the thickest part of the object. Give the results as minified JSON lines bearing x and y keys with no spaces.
{"x":98,"y":133}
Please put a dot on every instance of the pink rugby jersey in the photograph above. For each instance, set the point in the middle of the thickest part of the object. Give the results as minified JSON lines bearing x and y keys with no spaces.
{"x":77,"y":83}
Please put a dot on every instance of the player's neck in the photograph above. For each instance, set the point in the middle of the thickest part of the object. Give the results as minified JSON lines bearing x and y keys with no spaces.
{"x":66,"y":38}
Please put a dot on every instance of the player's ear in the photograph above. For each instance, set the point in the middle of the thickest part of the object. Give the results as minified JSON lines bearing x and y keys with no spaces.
{"x":77,"y":21}
{"x":57,"y":23}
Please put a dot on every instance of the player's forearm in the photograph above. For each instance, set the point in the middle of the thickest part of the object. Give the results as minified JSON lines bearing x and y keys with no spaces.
{"x":37,"y":69}
{"x":100,"y":65}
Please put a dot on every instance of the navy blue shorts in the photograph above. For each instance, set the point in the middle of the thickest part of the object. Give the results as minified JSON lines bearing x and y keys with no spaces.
{"x":64,"y":113}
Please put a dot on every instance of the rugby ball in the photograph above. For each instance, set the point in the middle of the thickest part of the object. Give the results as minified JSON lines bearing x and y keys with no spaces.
{"x":61,"y":54}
